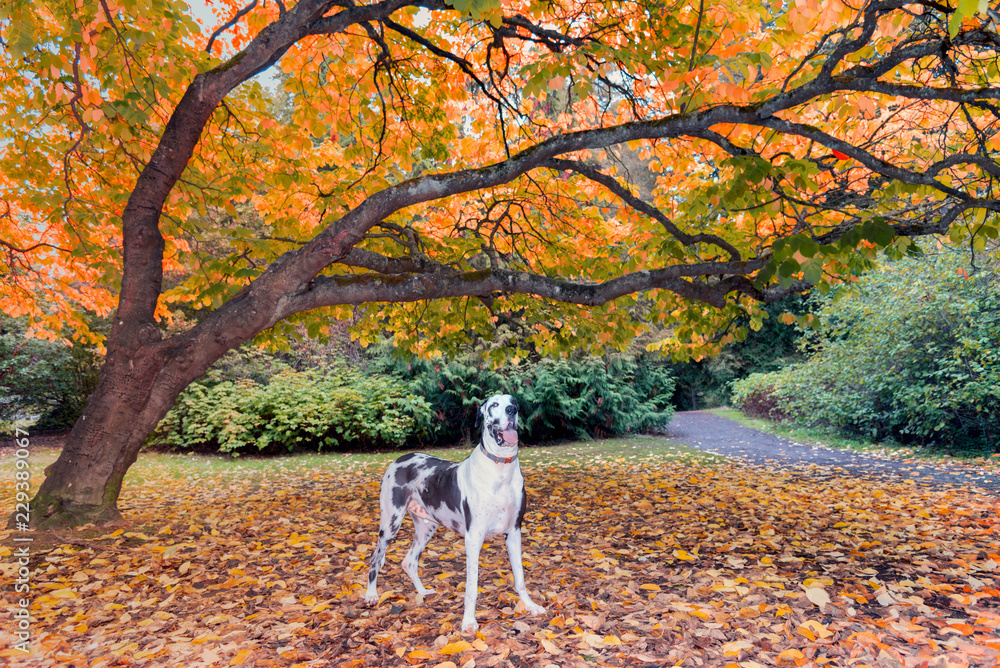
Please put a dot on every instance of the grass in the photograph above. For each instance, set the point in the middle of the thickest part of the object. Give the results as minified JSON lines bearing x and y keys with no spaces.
{"x":157,"y":466}
{"x":819,"y":436}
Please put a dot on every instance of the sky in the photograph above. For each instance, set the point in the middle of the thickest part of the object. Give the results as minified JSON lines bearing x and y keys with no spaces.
{"x":200,"y":10}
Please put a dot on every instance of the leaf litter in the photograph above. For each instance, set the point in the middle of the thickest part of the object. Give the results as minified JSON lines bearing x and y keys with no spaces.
{"x":638,"y":561}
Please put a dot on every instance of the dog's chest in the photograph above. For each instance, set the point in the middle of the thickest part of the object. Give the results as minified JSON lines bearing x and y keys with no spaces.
{"x":494,"y":501}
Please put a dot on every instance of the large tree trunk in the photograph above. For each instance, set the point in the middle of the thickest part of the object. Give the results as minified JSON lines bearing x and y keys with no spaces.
{"x":139,"y":384}
{"x":84,"y":483}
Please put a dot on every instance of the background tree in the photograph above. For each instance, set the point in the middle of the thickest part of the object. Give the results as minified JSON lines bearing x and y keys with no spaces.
{"x":443,"y":168}
{"x":910,"y":352}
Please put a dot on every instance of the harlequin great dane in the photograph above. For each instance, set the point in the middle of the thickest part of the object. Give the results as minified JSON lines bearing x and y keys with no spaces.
{"x":480,"y":497}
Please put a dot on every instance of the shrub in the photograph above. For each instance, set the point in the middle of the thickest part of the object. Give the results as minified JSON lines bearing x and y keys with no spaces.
{"x":314,"y":409}
{"x":559,"y":399}
{"x":757,"y":397}
{"x":911,"y":353}
{"x":47,"y":381}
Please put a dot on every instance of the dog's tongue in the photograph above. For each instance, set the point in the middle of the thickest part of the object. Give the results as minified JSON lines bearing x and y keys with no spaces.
{"x":510,"y":436}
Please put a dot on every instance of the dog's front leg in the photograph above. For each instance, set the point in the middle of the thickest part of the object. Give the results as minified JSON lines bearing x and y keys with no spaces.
{"x":473,"y":546}
{"x":517,"y":568}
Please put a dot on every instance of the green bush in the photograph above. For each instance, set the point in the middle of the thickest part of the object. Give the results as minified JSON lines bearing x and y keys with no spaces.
{"x":559,"y":399}
{"x":313,"y":409}
{"x":44,"y":381}
{"x":911,"y":353}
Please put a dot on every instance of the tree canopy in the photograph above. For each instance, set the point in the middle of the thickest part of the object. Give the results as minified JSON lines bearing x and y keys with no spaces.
{"x":769,"y":142}
{"x":581,"y":170}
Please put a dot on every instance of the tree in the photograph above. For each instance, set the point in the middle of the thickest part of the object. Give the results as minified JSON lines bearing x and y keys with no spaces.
{"x":442,"y":168}
{"x":911,"y":353}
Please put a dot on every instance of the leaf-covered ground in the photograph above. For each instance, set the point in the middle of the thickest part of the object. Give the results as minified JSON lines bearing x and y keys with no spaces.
{"x":641,"y":559}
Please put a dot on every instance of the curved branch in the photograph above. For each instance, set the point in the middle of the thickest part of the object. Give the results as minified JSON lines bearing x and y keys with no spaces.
{"x":229,"y":24}
{"x":873,"y":163}
{"x":643,"y":207}
{"x":364,"y":288}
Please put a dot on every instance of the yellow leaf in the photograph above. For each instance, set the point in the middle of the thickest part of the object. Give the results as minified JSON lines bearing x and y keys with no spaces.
{"x":419,"y":654}
{"x":63,"y":593}
{"x":650,"y":587}
{"x":455,"y":648}
{"x":791,"y":654}
{"x":681,"y":554}
{"x":812,"y":629}
{"x":240,"y":658}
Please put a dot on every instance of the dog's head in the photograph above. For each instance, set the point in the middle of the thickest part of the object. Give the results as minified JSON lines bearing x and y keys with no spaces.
{"x":499,"y":417}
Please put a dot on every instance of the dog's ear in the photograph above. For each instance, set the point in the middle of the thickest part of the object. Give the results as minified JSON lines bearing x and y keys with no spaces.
{"x":479,"y":413}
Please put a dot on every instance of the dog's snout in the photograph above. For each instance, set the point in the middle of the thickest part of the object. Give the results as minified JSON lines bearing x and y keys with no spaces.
{"x":511,"y":410}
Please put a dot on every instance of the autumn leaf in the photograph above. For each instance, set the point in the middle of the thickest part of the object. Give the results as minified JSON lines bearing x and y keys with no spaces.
{"x":455,"y":648}
{"x":818,"y":596}
{"x":599,"y":545}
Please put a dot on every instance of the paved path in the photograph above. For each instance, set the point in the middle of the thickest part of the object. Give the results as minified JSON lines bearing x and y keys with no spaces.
{"x":720,"y":435}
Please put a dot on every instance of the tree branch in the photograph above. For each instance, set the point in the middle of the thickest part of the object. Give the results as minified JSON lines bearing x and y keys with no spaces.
{"x":365,"y":288}
{"x":639,"y":205}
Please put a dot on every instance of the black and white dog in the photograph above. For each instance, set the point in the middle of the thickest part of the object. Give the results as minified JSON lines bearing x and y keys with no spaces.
{"x":480,"y":497}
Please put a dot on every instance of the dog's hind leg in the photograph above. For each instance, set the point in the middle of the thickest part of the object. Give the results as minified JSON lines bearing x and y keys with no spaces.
{"x":389,"y":523}
{"x":423,"y":530}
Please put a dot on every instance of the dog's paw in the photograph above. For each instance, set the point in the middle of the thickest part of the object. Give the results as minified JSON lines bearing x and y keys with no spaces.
{"x":470,"y":626}
{"x":534,"y":609}
{"x":426,"y":592}
{"x":371,"y":598}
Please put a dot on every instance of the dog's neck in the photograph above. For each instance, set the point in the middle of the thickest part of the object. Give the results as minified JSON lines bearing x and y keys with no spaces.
{"x":495,"y":458}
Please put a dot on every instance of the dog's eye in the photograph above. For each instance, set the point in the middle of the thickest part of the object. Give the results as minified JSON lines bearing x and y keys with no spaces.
{"x":494,"y":405}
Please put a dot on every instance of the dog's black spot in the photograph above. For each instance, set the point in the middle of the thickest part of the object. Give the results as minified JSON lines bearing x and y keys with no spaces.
{"x":524,"y":506}
{"x":371,"y":576}
{"x":381,"y":533}
{"x":441,"y":487}
{"x":468,"y":513}
{"x":406,"y":458}
{"x":406,"y":474}
{"x":399,"y":496}
{"x":435,"y":463}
